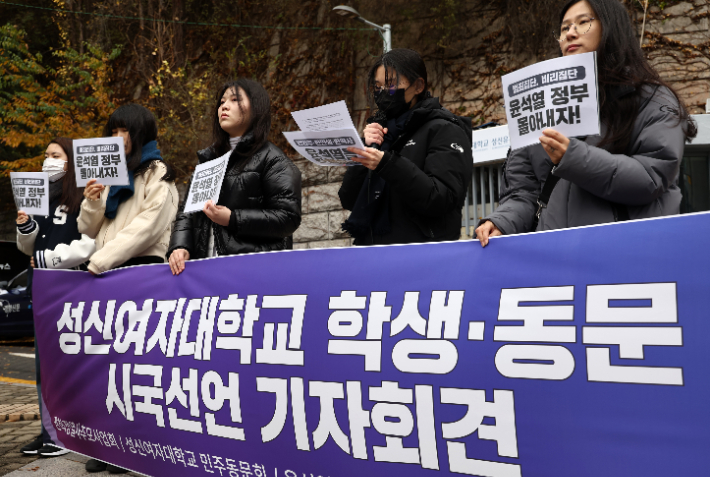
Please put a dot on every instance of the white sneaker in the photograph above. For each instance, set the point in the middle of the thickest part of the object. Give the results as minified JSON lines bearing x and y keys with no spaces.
{"x":50,"y":450}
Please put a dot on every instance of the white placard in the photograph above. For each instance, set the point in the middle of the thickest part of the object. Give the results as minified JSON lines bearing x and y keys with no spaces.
{"x":206,"y":183}
{"x":101,"y":158}
{"x":490,"y":144}
{"x":31,"y":192}
{"x":560,"y":94}
{"x":326,"y":148}
{"x":324,"y":118}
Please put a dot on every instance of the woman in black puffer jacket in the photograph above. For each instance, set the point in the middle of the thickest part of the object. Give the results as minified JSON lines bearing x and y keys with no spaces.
{"x":259,"y":206}
{"x":416,"y":173}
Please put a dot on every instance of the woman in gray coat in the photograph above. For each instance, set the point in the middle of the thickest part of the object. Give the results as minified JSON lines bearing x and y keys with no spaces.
{"x":628,"y":172}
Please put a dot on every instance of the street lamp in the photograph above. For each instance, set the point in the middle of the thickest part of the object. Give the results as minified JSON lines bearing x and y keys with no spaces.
{"x":385,"y":30}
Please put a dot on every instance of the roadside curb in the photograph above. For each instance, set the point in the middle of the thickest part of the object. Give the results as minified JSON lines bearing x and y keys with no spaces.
{"x":19,"y":412}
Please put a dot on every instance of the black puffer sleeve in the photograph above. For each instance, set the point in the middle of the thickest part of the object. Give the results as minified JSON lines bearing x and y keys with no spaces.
{"x":183,"y":232}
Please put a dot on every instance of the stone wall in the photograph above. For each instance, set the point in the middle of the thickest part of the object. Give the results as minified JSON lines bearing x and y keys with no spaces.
{"x":322,"y":213}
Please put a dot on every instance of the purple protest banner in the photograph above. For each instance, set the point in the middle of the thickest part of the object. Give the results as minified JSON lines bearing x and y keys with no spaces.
{"x":578,"y":352}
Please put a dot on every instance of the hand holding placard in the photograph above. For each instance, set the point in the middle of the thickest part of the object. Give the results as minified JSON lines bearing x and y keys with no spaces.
{"x":93,"y":191}
{"x":326,"y":133}
{"x":555,"y":144}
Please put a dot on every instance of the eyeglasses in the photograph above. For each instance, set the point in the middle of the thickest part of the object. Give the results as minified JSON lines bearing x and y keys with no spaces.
{"x":390,"y":89}
{"x":582,"y":24}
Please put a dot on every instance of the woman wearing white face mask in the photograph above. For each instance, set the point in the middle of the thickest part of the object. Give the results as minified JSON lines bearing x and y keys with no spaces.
{"x":53,"y":241}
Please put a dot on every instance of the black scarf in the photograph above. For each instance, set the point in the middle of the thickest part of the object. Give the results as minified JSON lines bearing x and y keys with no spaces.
{"x":55,"y":190}
{"x":371,"y":209}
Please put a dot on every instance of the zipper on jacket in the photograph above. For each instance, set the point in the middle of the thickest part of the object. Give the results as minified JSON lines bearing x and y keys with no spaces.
{"x":369,"y":181}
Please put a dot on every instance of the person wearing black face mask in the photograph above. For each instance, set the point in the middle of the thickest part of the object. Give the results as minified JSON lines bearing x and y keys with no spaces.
{"x":417,"y":165}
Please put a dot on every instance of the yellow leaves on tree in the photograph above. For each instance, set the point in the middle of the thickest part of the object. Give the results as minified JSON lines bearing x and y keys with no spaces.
{"x":38,"y":103}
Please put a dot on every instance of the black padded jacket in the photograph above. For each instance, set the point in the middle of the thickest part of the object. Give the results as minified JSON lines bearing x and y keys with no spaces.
{"x":428,"y":169}
{"x":264,"y":194}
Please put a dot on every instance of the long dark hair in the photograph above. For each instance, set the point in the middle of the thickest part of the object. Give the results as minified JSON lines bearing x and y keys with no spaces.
{"x":620,"y":62}
{"x":142,"y":128}
{"x":71,"y":195}
{"x":403,"y":62}
{"x":260,"y":121}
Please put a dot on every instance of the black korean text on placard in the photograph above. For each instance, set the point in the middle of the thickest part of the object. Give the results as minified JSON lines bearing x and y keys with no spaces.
{"x":97,"y":161}
{"x":205,"y":184}
{"x":326,"y":142}
{"x":563,"y":75}
{"x":565,"y":109}
{"x":331,"y":156}
{"x":28,"y":192}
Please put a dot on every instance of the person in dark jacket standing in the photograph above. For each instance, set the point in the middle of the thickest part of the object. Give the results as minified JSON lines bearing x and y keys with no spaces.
{"x":416,"y":172}
{"x":54,"y":242}
{"x":630,"y":171}
{"x":259,"y":206}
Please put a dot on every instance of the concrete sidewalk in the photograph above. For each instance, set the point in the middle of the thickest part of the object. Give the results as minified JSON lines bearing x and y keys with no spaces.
{"x":22,"y":429}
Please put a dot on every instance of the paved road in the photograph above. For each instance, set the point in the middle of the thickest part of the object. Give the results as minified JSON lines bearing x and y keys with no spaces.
{"x":14,"y":435}
{"x":17,"y":363}
{"x":17,"y":395}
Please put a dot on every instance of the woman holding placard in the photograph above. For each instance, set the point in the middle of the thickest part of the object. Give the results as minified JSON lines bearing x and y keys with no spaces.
{"x":131,"y":223}
{"x":54,"y":241}
{"x":419,"y":163}
{"x":630,"y":171}
{"x":259,"y":205}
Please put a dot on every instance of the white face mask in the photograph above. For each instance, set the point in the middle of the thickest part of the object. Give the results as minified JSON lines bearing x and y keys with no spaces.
{"x":55,"y":168}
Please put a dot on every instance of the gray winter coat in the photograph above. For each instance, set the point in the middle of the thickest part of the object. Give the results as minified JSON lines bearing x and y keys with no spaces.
{"x":594,"y":183}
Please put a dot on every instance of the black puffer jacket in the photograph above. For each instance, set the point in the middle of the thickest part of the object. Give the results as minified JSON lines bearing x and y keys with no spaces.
{"x":428,"y":169}
{"x":264,"y":195}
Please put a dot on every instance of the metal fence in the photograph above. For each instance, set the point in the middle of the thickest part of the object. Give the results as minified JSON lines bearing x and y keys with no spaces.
{"x":483,"y":195}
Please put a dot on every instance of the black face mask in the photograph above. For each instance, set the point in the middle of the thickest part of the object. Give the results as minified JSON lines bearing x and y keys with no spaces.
{"x":393,"y":106}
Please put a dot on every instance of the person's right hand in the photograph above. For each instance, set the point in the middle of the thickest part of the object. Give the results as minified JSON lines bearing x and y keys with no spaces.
{"x":92,"y":191}
{"x":374,"y":133}
{"x":177,"y":260}
{"x":485,"y":230}
{"x":21,"y":217}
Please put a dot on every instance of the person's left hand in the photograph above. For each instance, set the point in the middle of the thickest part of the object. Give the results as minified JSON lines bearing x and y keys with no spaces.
{"x":555,"y":144}
{"x":218,"y":214}
{"x":368,"y":157}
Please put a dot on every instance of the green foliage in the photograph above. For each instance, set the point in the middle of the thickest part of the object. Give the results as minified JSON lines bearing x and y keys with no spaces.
{"x":39,"y":102}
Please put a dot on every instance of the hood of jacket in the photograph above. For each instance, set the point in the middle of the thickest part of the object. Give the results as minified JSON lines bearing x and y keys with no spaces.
{"x":430,"y":109}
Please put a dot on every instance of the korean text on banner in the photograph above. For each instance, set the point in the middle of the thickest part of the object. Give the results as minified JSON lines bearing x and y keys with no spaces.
{"x":101,"y":158}
{"x":31,"y":192}
{"x":574,"y":356}
{"x":560,"y":94}
{"x":490,"y":144}
{"x":206,"y":183}
{"x":326,"y":133}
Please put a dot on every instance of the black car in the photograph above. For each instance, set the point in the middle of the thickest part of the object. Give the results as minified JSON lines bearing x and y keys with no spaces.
{"x":12,"y":261}
{"x":16,"y":307}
